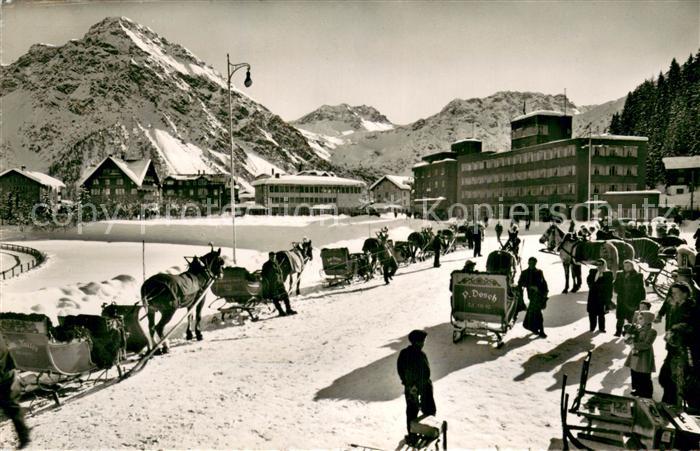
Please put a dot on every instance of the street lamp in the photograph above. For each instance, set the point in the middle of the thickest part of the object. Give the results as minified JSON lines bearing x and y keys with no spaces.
{"x":231,"y":69}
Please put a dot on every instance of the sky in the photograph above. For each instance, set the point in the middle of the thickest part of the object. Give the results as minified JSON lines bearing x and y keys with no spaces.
{"x":408,"y":59}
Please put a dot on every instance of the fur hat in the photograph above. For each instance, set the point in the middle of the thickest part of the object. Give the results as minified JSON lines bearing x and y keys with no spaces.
{"x":417,"y":336}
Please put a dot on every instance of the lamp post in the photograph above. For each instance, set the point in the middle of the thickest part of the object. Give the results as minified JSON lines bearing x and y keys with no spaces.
{"x":231,"y":69}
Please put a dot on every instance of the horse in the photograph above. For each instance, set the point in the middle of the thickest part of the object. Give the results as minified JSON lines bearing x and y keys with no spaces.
{"x":166,"y":293}
{"x":574,"y":252}
{"x":292,"y":262}
{"x":372,"y":246}
{"x":420,"y":241}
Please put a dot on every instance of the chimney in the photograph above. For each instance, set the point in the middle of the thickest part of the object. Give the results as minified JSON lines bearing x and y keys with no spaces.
{"x":273,"y":171}
{"x":23,"y":168}
{"x":277,"y":176}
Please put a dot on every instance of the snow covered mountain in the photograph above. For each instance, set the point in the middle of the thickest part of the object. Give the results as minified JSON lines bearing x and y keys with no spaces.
{"x":343,"y":120}
{"x":397,"y":149}
{"x":122,"y":89}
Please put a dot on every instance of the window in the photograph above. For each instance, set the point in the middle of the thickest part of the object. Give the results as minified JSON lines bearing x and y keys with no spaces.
{"x":107,"y":182}
{"x":97,"y":182}
{"x":95,"y":191}
{"x":119,"y":191}
{"x":120,"y":182}
{"x":134,"y":191}
{"x":107,"y":192}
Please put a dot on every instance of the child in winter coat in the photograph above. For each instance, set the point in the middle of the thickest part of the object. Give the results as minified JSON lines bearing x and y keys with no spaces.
{"x":640,"y":335}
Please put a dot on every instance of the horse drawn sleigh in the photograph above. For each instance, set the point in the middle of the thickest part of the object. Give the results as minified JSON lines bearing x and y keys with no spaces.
{"x":484,"y":303}
{"x":63,"y":359}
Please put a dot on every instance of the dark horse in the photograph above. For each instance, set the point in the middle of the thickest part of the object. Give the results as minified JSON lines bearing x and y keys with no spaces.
{"x":373,"y":246}
{"x":419,"y":242}
{"x":166,"y":293}
{"x":292,"y":262}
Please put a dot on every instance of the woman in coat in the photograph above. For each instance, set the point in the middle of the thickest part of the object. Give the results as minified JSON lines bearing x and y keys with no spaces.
{"x":640,"y":360}
{"x":629,"y":287}
{"x":600,"y":290}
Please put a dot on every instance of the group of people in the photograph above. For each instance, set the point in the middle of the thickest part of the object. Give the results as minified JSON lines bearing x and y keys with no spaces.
{"x":681,"y":367}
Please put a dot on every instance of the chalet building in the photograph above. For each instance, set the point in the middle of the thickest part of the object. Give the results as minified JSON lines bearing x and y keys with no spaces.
{"x":127,"y":182}
{"x":392,"y":190}
{"x":682,"y":173}
{"x":308,"y":192}
{"x":21,"y":189}
{"x":544,"y":166}
{"x":435,"y":184}
{"x":200,"y":189}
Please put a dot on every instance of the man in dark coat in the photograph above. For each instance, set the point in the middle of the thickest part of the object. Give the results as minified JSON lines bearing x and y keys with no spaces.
{"x":532,"y":280}
{"x":478,"y":238}
{"x":436,"y":246}
{"x":600,"y":283}
{"x":629,"y":287}
{"x":414,"y":372}
{"x":9,"y":395}
{"x":273,"y":286}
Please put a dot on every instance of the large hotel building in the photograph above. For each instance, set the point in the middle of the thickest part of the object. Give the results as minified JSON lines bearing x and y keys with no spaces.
{"x":544,"y":166}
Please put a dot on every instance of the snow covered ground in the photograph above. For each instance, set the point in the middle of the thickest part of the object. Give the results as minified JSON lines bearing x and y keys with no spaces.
{"x":326,"y":377}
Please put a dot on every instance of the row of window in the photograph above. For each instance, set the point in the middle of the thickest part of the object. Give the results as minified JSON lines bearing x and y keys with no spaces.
{"x":430,"y":183}
{"x":615,"y":151}
{"x":107,"y":182}
{"x":521,"y":175}
{"x":200,"y":192}
{"x":600,"y":188}
{"x":516,"y":191}
{"x":528,"y":157}
{"x":200,"y":181}
{"x":109,"y":191}
{"x":302,"y":200}
{"x":614,"y":169}
{"x":314,"y":189}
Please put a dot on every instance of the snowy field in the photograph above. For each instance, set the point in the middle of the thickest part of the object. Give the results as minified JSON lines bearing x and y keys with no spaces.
{"x":326,"y":377}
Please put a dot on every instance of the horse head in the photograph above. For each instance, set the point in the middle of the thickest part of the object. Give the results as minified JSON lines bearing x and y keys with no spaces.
{"x":547,"y":233}
{"x":212,"y":263}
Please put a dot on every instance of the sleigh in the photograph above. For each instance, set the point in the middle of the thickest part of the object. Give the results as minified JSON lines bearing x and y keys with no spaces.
{"x":339,"y":266}
{"x":52,"y":358}
{"x":240,"y":289}
{"x":402,"y":252}
{"x":485,"y":303}
{"x":605,"y":421}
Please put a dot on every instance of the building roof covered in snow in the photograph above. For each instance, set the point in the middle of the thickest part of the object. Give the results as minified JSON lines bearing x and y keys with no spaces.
{"x":134,"y":169}
{"x":539,"y":113}
{"x":690,"y":162}
{"x":39,"y":177}
{"x":303,"y":179}
{"x":401,"y":182}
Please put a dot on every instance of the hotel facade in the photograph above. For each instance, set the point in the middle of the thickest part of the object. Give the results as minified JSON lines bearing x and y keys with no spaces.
{"x":544,"y":166}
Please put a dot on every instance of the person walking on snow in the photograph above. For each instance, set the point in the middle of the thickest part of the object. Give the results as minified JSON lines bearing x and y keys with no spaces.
{"x":499,"y":231}
{"x":414,"y":372}
{"x":533,"y":281}
{"x":273,"y":286}
{"x":478,"y":238}
{"x":629,"y":287}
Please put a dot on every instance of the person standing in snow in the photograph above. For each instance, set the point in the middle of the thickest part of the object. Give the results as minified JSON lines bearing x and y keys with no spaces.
{"x":600,"y":283}
{"x":533,"y":281}
{"x":9,"y":395}
{"x":273,"y":286}
{"x":640,"y":360}
{"x":414,"y":372}
{"x":436,"y":246}
{"x":478,"y":238}
{"x":629,"y":287}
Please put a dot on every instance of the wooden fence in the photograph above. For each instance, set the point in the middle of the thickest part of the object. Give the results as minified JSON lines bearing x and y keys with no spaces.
{"x":37,"y":259}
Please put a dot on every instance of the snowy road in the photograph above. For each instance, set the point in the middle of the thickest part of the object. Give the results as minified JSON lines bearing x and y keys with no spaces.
{"x":326,"y":377}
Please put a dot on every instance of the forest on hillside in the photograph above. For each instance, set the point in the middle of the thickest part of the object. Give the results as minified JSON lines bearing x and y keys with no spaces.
{"x":667,"y":111}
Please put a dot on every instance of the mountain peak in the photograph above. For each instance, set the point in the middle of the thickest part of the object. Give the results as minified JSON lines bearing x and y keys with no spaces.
{"x":343,"y":119}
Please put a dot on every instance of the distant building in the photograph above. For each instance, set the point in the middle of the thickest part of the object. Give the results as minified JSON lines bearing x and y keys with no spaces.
{"x":641,"y":204}
{"x":21,"y":189}
{"x":545,"y":166}
{"x":392,"y":190}
{"x":435,"y":184}
{"x":125,"y":182}
{"x":308,"y":191}
{"x":681,"y":173}
{"x":199,"y":189}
